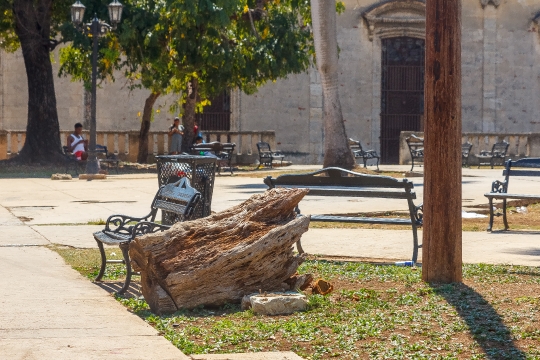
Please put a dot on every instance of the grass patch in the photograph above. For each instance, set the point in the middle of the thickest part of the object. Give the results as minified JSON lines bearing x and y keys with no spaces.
{"x":376,"y":312}
{"x":97,"y":222}
{"x":88,"y":261}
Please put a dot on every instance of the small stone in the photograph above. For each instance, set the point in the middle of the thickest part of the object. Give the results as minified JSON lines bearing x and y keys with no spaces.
{"x":61,"y":177}
{"x":278,"y":303}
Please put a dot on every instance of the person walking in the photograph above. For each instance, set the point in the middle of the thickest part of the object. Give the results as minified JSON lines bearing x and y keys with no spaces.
{"x":176,"y":133}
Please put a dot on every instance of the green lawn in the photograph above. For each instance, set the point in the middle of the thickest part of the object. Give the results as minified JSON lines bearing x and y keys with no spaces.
{"x":375,"y":312}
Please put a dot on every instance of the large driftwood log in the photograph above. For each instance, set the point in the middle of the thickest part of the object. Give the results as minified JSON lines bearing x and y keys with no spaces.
{"x":221,"y":258}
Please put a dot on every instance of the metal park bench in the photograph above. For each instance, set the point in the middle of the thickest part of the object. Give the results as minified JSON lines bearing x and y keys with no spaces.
{"x":497,"y":154}
{"x":499,"y":189}
{"x":416,"y":149}
{"x":267,"y":156}
{"x":178,"y":198}
{"x":360,"y":153}
{"x":222,"y":151}
{"x":344,"y":183}
{"x":72,"y":162}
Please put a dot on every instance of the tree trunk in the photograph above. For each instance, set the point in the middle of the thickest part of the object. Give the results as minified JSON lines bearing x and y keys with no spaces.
{"x":219,"y":259}
{"x":142,"y":156}
{"x":188,"y":118}
{"x":441,"y":250}
{"x":337,"y":151}
{"x":32,"y":26}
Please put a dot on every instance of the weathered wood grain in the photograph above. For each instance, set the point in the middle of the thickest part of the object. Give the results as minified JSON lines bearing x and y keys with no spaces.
{"x":221,"y":258}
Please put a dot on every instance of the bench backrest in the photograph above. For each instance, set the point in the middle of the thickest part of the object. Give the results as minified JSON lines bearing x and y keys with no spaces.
{"x":466,"y":149}
{"x":178,"y":198}
{"x":355,"y":145}
{"x":414,"y":141}
{"x":216,"y":147}
{"x":499,"y":149}
{"x":340,"y":182}
{"x":100,"y":149}
{"x":531,"y":166}
{"x":263,"y":147}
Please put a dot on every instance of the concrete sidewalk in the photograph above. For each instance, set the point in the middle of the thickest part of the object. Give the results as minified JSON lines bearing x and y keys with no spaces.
{"x":49,"y":311}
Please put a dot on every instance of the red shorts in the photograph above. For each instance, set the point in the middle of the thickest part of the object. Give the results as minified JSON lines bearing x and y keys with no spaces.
{"x":79,"y":155}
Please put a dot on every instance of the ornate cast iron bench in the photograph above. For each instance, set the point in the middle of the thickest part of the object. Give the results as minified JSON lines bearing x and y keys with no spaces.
{"x":360,"y":153}
{"x":465,"y":153}
{"x":340,"y":182}
{"x":499,"y":189}
{"x":416,"y":149}
{"x":222,"y":151}
{"x":497,"y":153}
{"x":267,"y":156}
{"x":178,"y":198}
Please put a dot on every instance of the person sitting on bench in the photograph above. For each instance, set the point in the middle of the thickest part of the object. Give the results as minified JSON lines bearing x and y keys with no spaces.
{"x":77,"y":145}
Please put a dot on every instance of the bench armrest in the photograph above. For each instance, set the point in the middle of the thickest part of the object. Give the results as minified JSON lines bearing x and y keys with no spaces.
{"x":147,"y":227}
{"x":500,"y":187}
{"x":122,"y":223}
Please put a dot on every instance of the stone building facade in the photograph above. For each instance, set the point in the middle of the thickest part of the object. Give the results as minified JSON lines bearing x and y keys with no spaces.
{"x":381,"y":76}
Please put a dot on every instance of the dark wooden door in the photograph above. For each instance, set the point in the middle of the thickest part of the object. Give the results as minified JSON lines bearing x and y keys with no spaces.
{"x":402,"y":101}
{"x":217,"y":115}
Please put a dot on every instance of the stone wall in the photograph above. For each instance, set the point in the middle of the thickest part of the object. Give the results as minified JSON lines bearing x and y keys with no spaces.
{"x":118,"y":108}
{"x":125,"y":144}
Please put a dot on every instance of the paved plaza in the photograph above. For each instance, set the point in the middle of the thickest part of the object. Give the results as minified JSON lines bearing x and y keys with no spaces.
{"x":48,"y":310}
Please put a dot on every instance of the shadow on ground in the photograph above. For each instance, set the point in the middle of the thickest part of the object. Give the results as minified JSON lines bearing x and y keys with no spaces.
{"x":134,"y":290}
{"x":485,"y":324}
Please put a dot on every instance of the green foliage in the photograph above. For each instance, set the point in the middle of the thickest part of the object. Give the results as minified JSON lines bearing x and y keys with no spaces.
{"x":59,"y":15}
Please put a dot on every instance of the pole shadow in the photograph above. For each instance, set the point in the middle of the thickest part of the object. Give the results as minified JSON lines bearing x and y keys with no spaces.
{"x":485,"y":325}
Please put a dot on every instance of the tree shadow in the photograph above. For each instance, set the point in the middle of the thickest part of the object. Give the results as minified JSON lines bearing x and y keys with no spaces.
{"x":485,"y":324}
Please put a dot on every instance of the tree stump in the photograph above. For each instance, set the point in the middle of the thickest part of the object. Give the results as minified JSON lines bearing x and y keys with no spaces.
{"x":219,"y":259}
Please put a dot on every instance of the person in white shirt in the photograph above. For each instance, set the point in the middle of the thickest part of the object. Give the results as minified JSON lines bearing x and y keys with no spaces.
{"x":77,"y":145}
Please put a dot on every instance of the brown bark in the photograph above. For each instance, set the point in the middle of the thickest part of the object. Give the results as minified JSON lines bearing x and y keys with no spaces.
{"x":188,"y":117}
{"x":142,"y":155}
{"x":441,"y":257}
{"x":221,"y":258}
{"x":337,"y":151}
{"x":32,"y":26}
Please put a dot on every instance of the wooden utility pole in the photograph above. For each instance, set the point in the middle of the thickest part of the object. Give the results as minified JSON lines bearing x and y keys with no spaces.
{"x":441,"y":252}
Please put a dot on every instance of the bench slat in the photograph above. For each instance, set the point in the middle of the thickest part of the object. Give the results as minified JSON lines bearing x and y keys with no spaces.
{"x":360,"y":220}
{"x":511,"y":196}
{"x":523,"y":172}
{"x":343,"y":191}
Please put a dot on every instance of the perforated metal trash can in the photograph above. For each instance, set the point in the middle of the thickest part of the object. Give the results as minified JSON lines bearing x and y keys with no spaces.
{"x":201,"y":172}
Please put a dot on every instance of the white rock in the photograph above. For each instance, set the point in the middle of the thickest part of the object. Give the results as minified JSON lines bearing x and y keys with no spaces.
{"x":276,"y":303}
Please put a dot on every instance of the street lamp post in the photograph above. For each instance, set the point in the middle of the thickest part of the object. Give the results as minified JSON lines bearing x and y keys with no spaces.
{"x":95,"y":29}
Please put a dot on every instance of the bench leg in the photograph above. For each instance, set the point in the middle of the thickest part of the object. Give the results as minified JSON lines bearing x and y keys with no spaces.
{"x":103,"y":261}
{"x":412,"y":162}
{"x":415,"y":244}
{"x":505,"y":220}
{"x":125,"y":247}
{"x":365,"y":162}
{"x":490,"y":226}
{"x":377,"y":164}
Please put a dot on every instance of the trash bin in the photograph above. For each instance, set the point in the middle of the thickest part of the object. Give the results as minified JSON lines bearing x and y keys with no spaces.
{"x":201,"y":172}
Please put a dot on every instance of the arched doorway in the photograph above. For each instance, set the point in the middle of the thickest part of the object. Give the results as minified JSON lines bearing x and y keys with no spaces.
{"x":402,"y":92}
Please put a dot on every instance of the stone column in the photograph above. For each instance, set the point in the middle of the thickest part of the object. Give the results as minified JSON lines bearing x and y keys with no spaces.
{"x":236,"y":97}
{"x":489,"y":87}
